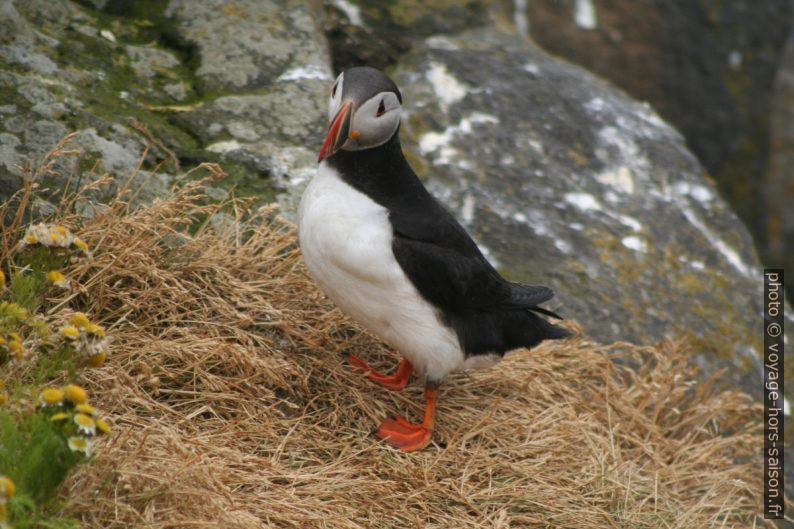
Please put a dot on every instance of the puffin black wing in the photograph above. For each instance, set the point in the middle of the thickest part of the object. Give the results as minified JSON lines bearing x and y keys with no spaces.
{"x":447,"y":267}
{"x":488,"y":313}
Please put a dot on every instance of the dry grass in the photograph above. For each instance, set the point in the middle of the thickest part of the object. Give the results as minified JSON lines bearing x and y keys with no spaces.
{"x":233,"y":408}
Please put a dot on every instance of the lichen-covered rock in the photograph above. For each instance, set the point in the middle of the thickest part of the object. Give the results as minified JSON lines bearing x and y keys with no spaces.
{"x":568,"y":182}
{"x":377,"y":32}
{"x":707,"y":66}
{"x":213,"y":81}
{"x":248,"y":44}
{"x":62,"y":69}
{"x":265,"y":67}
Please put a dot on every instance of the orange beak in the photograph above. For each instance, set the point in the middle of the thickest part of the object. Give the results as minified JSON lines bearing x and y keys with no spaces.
{"x":337,"y":132}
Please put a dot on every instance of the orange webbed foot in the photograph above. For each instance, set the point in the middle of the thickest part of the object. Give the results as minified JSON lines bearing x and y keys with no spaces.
{"x":406,"y":435}
{"x":397,"y":382}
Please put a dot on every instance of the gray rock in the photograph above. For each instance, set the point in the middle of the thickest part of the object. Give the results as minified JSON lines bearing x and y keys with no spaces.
{"x":248,"y":44}
{"x":289,"y":111}
{"x":707,"y":66}
{"x":20,"y":43}
{"x":568,"y":182}
{"x":377,"y":33}
{"x":267,"y":68}
{"x":149,"y":61}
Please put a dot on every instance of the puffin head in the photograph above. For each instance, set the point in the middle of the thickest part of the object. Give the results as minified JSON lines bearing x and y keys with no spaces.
{"x":363,"y":109}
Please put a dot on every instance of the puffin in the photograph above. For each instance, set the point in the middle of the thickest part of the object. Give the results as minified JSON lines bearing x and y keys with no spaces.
{"x":391,"y":257}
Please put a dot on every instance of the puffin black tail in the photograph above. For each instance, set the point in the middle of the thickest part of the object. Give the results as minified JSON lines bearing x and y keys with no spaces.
{"x":546,"y":329}
{"x":546,"y":312}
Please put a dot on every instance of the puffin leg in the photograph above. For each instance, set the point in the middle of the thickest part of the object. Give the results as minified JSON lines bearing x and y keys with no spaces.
{"x":407,"y":436}
{"x":397,"y":381}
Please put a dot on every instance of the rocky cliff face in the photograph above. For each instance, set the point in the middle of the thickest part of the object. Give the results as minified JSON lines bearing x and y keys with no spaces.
{"x":707,"y":66}
{"x":564,"y":179}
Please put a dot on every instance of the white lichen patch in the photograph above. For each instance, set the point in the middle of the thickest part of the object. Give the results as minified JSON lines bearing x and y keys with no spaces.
{"x":536,"y":146}
{"x":439,"y":145}
{"x":440,"y":42}
{"x":448,"y":89}
{"x":467,"y":211}
{"x":562,"y":246}
{"x":595,"y":105}
{"x":635,"y":243}
{"x":583,"y":201}
{"x":735,"y":59}
{"x":627,"y":149}
{"x":697,"y":191}
{"x":108,"y":35}
{"x":531,"y":68}
{"x":631,"y":222}
{"x":243,"y":130}
{"x":697,"y":265}
{"x":619,"y":178}
{"x":731,"y":255}
{"x":351,"y":11}
{"x":224,"y":146}
{"x":301,"y":73}
{"x":584,"y":14}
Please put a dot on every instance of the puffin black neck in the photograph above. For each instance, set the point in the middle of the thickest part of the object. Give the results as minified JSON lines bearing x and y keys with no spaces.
{"x":382,"y":172}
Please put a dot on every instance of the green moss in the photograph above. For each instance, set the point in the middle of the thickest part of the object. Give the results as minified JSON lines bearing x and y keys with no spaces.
{"x":36,"y":457}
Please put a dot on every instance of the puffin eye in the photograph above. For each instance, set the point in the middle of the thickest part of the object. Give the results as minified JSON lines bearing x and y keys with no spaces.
{"x":333,"y":90}
{"x":381,"y":109}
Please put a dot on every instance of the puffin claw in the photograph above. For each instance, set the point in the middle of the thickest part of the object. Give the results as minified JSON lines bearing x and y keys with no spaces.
{"x":404,"y":435}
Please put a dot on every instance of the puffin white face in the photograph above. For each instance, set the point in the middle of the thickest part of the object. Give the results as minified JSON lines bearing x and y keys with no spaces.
{"x":363,"y":114}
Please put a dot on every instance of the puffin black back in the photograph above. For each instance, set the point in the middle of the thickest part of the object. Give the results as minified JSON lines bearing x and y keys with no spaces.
{"x":488,"y":313}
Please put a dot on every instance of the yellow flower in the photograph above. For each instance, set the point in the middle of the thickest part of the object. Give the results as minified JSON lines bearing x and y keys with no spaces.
{"x":58,"y":279}
{"x":80,"y":444}
{"x":3,"y":398}
{"x":85,"y":408}
{"x":16,"y":347}
{"x":75,"y":394}
{"x":98,"y":359}
{"x":71,"y":332}
{"x":79,"y":319}
{"x":31,"y":238}
{"x":2,"y":340}
{"x":7,"y":488}
{"x":2,"y":279}
{"x":85,"y":423}
{"x":60,"y":230}
{"x":51,"y":397}
{"x":103,"y":426}
{"x":98,"y":330}
{"x":80,"y":243}
{"x":60,"y":416}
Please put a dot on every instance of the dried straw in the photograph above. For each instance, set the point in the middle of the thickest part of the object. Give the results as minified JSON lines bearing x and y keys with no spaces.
{"x":233,"y":407}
